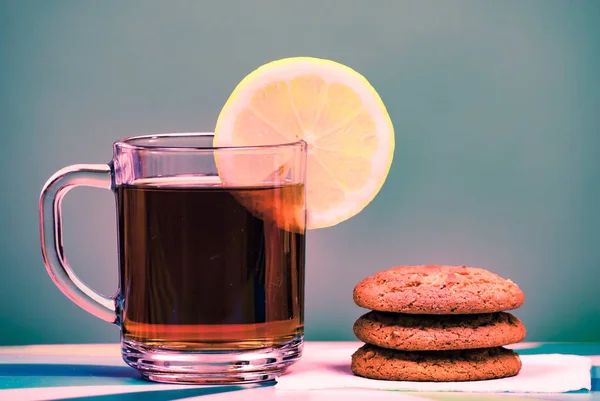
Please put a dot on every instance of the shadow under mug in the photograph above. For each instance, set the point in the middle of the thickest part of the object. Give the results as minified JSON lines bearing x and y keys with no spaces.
{"x":211,"y":255}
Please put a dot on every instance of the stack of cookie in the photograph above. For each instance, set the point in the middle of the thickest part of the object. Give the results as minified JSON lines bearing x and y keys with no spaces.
{"x":437,"y":323}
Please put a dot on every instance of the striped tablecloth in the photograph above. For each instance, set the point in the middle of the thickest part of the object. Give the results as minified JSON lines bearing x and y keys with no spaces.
{"x":96,"y":372}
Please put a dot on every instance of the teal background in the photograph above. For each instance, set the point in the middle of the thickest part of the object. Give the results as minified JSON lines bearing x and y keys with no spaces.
{"x":496,"y":106}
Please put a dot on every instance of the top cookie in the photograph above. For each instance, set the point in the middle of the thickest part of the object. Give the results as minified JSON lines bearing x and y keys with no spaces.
{"x":437,"y":290}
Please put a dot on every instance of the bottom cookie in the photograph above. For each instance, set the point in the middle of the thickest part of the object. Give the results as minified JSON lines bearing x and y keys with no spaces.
{"x":379,"y":363}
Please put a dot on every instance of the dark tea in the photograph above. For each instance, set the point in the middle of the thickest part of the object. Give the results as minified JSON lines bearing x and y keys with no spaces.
{"x":207,"y":267}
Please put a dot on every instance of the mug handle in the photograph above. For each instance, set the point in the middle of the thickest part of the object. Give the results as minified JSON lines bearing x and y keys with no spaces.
{"x":89,"y":175}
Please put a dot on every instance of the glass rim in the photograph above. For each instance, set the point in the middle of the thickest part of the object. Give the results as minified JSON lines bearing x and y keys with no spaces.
{"x":129,"y":143}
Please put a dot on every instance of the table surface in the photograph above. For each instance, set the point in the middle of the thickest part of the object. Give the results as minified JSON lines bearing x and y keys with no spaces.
{"x":96,"y":372}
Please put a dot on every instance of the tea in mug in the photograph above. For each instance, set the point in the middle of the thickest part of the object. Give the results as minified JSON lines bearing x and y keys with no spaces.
{"x":204,"y":269}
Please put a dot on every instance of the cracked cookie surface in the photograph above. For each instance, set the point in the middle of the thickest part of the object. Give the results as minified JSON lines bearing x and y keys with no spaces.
{"x":374,"y":362}
{"x":436,"y":333}
{"x":439,"y":290}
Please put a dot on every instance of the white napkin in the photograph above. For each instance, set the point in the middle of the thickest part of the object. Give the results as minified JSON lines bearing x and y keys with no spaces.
{"x":329,"y":368}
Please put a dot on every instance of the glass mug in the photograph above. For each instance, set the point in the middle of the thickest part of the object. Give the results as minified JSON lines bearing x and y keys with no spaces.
{"x":211,"y":260}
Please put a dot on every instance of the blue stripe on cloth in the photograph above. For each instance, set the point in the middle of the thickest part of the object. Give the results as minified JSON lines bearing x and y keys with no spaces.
{"x":46,"y":375}
{"x":169,"y":395}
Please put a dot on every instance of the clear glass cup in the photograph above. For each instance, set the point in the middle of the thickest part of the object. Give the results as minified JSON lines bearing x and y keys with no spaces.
{"x":211,"y":255}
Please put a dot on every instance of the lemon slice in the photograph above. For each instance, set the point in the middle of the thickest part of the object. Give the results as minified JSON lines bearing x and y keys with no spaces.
{"x":335,"y":110}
